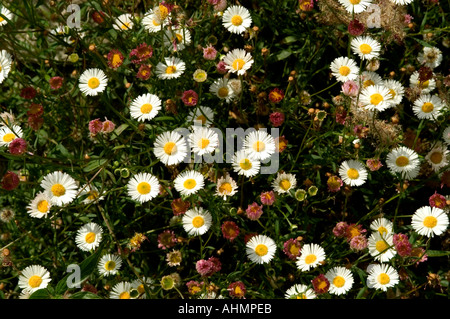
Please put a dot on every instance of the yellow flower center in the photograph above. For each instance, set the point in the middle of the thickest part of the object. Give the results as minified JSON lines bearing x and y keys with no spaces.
{"x":310,"y":259}
{"x":204,"y":142}
{"x":42,"y":206}
{"x":261,"y":250}
{"x":237,"y":290}
{"x":367,"y":83}
{"x":58,"y":190}
{"x":236,"y":20}
{"x":344,"y":70}
{"x":392,"y":92}
{"x":93,"y":83}
{"x":125,"y":26}
{"x":1,"y":20}
{"x":430,"y":221}
{"x":110,"y":265}
{"x":376,"y":99}
{"x":294,"y":250}
{"x":144,"y":188}
{"x":259,"y":146}
{"x":285,"y":184}
{"x":92,"y":195}
{"x":223,"y":92}
{"x":225,"y":188}
{"x":90,"y":237}
{"x":301,"y":296}
{"x":365,"y":48}
{"x":179,"y":37}
{"x":352,"y":173}
{"x":424,"y":85}
{"x":125,"y":295}
{"x":8,"y":137}
{"x":116,"y":60}
{"x":381,"y":246}
{"x":201,"y":118}
{"x":140,"y":289}
{"x":238,"y":64}
{"x":189,"y":183}
{"x":171,"y":69}
{"x":436,"y":157}
{"x":383,"y":279}
{"x":245,"y":164}
{"x":156,"y":23}
{"x":427,"y":107}
{"x":198,"y":221}
{"x":338,"y":281}
{"x":355,"y":2}
{"x":163,"y":11}
{"x":402,"y":161}
{"x":170,"y":148}
{"x":382,"y":230}
{"x":146,"y":108}
{"x":34,"y":281}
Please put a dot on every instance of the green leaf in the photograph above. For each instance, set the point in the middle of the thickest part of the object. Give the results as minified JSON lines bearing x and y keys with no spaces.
{"x":437,"y":253}
{"x":84,"y":295}
{"x":118,"y":131}
{"x":283,"y":55}
{"x":94,"y":164}
{"x":64,"y":151}
{"x":41,"y":294}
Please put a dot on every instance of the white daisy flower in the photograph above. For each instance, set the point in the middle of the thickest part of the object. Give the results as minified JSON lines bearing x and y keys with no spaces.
{"x":61,"y":188}
{"x":238,"y":61}
{"x":284,"y":182}
{"x":402,"y":2}
{"x":6,"y":13}
{"x":123,"y":22}
{"x":429,"y":221}
{"x":92,"y":81}
{"x":189,"y":182}
{"x":259,"y":145}
{"x":355,"y":6}
{"x":382,"y":225}
{"x":152,"y":22}
{"x":396,"y":90}
{"x":365,"y":47}
{"x":375,"y":97}
{"x":121,"y":290}
{"x":145,"y":107}
{"x":244,"y":165}
{"x":109,"y":264}
{"x":203,"y":115}
{"x":5,"y":64}
{"x":40,"y":206}
{"x":382,"y":276}
{"x":138,"y":285}
{"x":34,"y":277}
{"x":299,"y":291}
{"x":341,"y":280}
{"x":426,"y":86}
{"x":226,"y":186}
{"x":311,"y":255}
{"x":222,"y":89}
{"x":172,"y":68}
{"x":344,"y":69}
{"x":446,"y":135}
{"x":353,"y":173}
{"x":92,"y":194}
{"x":89,"y":236}
{"x":170,"y":148}
{"x":177,"y":38}
{"x":369,"y":78}
{"x":381,"y":247}
{"x":143,"y":187}
{"x":428,"y":107}
{"x":203,"y":140}
{"x":260,"y":249}
{"x":236,"y":19}
{"x":430,"y":57}
{"x":196,"y":221}
{"x":404,"y":161}
{"x":9,"y":134}
{"x":437,"y":157}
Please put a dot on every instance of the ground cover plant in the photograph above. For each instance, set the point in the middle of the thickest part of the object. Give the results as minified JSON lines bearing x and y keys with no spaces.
{"x":224,"y":149}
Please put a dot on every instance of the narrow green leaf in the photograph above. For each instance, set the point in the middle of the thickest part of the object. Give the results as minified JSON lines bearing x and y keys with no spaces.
{"x":84,"y":295}
{"x":94,"y":164}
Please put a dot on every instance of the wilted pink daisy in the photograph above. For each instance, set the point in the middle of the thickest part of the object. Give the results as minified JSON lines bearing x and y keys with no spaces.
{"x":420,"y":254}
{"x":95,"y":126}
{"x":437,"y":200}
{"x":56,"y":82}
{"x":18,"y":146}
{"x":189,"y":98}
{"x":115,"y":58}
{"x":334,"y":183}
{"x":237,"y":289}
{"x":276,"y":95}
{"x":144,"y":72}
{"x":108,"y":126}
{"x":280,"y":144}
{"x":230,"y":230}
{"x":267,"y":198}
{"x":276,"y":119}
{"x":194,"y":287}
{"x":141,"y":53}
{"x":208,"y":267}
{"x":356,"y":28}
{"x":28,"y":93}
{"x":35,"y":109}
{"x":292,"y":248}
{"x":340,"y":229}
{"x":350,"y":88}
{"x":374,"y":164}
{"x":254,"y":211}
{"x":402,"y":245}
{"x":320,"y":284}
{"x":179,"y":206}
{"x":209,"y":52}
{"x":10,"y":181}
{"x":221,"y":67}
{"x":35,"y":122}
{"x":354,"y":230}
{"x":167,"y":239}
{"x":358,"y":243}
